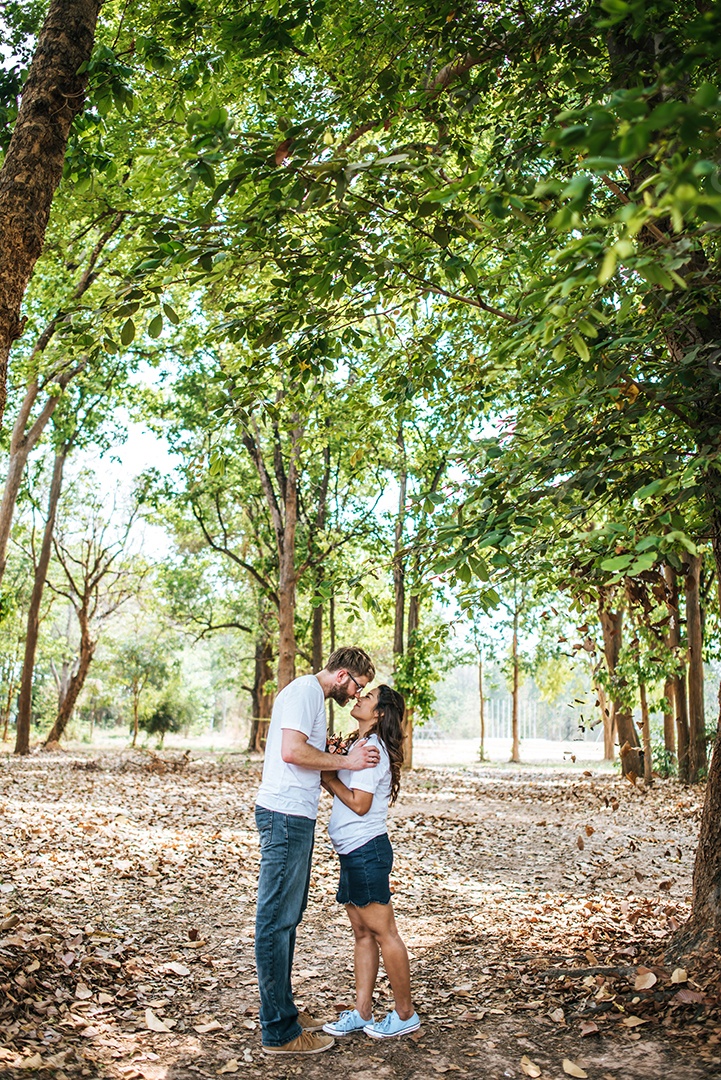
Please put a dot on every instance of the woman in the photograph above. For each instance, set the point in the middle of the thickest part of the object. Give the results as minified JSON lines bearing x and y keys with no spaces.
{"x":358,"y":831}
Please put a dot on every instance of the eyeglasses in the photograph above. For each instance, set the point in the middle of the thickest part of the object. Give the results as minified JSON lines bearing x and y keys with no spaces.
{"x":353,"y":679}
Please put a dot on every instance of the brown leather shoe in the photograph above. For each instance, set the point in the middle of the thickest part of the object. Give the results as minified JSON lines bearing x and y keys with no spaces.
{"x":306,"y":1043}
{"x":308,"y":1022}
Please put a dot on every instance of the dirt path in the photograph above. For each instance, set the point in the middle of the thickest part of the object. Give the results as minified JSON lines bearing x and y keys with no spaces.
{"x":531,"y":903}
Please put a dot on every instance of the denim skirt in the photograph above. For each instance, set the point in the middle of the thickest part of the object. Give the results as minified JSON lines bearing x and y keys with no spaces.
{"x":364,"y":873}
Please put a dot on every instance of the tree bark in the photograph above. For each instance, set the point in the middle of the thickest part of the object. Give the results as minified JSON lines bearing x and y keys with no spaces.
{"x":331,"y":629}
{"x":318,"y":527}
{"x":481,"y":710}
{"x":12,"y":687}
{"x":25,"y":702}
{"x":77,"y":681}
{"x":704,"y":925}
{"x":398,"y":562}
{"x":646,"y":736}
{"x":317,"y":639}
{"x":136,"y":709}
{"x":669,"y":724}
{"x":705,"y":922}
{"x":516,"y":743}
{"x":414,"y":615}
{"x":287,"y":577}
{"x":283,"y":509}
{"x":52,"y":97}
{"x":679,"y":699}
{"x":694,"y":629}
{"x":22,"y":442}
{"x":612,"y":626}
{"x":261,"y":698}
{"x":607,"y":719}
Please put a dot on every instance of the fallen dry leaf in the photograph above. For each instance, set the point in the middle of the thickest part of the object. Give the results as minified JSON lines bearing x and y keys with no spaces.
{"x":35,"y":1061}
{"x":153,"y":1023}
{"x":644,"y":980}
{"x":529,"y":1067}
{"x":231,"y":1066}
{"x":558,"y":1016}
{"x":679,"y":975}
{"x":177,"y":968}
{"x":204,"y":1029}
{"x":571,"y":1069}
{"x":688,"y":997}
{"x":633,"y":1021}
{"x":589,"y":1027}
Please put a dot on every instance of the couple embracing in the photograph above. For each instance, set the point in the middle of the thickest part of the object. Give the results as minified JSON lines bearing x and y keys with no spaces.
{"x":362,"y":783}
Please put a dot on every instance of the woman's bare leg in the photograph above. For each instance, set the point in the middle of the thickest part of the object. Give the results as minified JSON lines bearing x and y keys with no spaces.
{"x":365,"y":962}
{"x":378,"y":920}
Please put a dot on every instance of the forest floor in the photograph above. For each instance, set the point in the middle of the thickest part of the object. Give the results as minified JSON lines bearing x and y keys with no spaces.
{"x":537,"y":905}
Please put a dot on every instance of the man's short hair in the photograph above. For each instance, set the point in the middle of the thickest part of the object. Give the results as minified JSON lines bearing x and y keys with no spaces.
{"x":353,"y":659}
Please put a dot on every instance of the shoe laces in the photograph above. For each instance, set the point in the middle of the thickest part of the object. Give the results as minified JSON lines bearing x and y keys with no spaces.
{"x":386,"y":1022}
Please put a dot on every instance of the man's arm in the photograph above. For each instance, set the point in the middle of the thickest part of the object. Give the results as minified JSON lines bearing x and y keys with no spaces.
{"x":294,"y":750}
{"x":358,"y":801}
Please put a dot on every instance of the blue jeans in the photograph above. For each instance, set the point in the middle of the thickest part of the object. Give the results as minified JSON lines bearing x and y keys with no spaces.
{"x":286,"y":847}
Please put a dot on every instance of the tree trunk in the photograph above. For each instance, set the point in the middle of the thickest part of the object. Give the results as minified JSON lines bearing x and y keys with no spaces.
{"x":287,"y":578}
{"x":705,"y":921}
{"x":52,"y":97}
{"x":481,"y":710}
{"x":399,"y":588}
{"x":679,"y":699}
{"x":285,"y":524}
{"x":607,"y":719}
{"x":25,"y":702}
{"x":136,"y":710}
{"x":646,"y":735}
{"x":77,"y":681}
{"x":317,"y":639}
{"x":261,"y":698}
{"x":331,"y":629}
{"x":669,"y":724}
{"x":612,"y":626}
{"x":414,"y":614}
{"x":516,"y":744}
{"x":704,"y":925}
{"x":696,"y":718}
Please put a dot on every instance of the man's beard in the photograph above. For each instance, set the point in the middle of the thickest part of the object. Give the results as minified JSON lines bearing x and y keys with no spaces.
{"x":340,"y":694}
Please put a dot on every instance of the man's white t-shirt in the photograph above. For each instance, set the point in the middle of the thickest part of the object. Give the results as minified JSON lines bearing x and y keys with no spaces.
{"x":349,"y":830}
{"x":290,"y":789}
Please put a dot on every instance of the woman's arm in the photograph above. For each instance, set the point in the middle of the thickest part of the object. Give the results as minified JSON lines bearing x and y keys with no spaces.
{"x":359,"y":802}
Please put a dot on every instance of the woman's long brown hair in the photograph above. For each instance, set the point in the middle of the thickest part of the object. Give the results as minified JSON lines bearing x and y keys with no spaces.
{"x":390,"y":708}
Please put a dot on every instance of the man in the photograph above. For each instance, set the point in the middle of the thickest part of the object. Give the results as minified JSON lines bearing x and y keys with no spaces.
{"x":287,"y":806}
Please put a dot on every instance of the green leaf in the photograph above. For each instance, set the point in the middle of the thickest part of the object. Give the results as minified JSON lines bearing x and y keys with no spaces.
{"x":608,"y":267}
{"x":127,"y":334}
{"x":643,"y":562}
{"x":616,"y":563}
{"x":650,"y":489}
{"x":171,"y":314}
{"x":581,"y":347}
{"x":706,"y":96}
{"x":155,"y":326}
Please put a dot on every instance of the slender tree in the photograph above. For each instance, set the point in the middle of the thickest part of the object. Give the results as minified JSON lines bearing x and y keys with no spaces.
{"x":52,"y":97}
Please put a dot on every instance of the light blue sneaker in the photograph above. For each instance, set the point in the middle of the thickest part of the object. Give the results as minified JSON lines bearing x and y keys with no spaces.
{"x":350,"y":1020}
{"x":391,"y":1026}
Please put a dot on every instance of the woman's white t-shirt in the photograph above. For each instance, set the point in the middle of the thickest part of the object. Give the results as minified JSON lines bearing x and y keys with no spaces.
{"x":349,"y":830}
